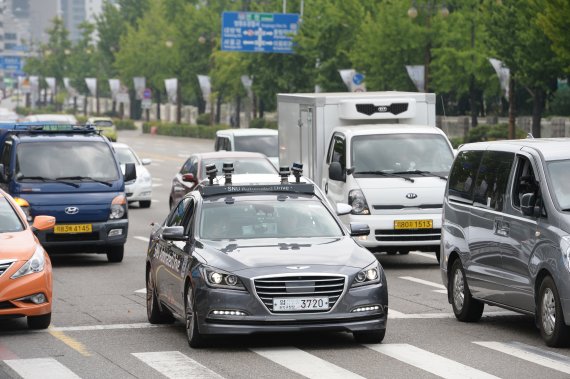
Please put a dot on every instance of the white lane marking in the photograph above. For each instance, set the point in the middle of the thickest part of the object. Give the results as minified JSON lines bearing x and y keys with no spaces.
{"x":157,"y":160}
{"x":141,"y":238}
{"x":304,"y":363}
{"x":45,"y":368}
{"x":142,"y":290}
{"x":182,"y":155}
{"x":156,"y":201}
{"x":157,"y":179}
{"x":532,"y":354}
{"x":85,"y":328}
{"x":441,"y":291}
{"x":427,"y":361}
{"x":425,"y":255}
{"x":174,"y":365}
{"x":424,"y":282}
{"x":393,"y":314}
{"x":155,"y":185}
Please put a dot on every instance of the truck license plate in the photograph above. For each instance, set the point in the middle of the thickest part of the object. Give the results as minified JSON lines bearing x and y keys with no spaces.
{"x":413,"y":224}
{"x":300,"y":304}
{"x":73,"y":228}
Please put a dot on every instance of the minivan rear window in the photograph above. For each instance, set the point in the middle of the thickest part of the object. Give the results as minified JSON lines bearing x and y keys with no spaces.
{"x":463,"y":174}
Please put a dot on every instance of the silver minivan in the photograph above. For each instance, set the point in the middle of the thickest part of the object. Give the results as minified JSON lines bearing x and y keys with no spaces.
{"x":506,"y":232}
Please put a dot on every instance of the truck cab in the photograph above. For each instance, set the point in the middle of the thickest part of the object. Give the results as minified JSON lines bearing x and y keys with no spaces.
{"x":70,"y":173}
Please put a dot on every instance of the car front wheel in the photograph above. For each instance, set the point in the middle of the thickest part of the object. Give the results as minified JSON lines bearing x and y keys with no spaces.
{"x":465,"y":307}
{"x":195,"y":339}
{"x":39,"y":322}
{"x":370,"y":336}
{"x":553,"y":329}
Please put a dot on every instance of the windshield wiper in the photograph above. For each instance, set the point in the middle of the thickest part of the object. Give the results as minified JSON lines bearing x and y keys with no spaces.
{"x":423,"y":173}
{"x":43,"y":179}
{"x":384,"y":173}
{"x":85,"y":178}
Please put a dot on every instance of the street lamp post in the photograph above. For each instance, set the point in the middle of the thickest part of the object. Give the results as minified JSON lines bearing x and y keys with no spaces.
{"x":430,"y":8}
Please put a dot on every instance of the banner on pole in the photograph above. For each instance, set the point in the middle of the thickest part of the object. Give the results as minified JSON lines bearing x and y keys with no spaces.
{"x":171,"y":86}
{"x":91,"y":86}
{"x":114,"y":86}
{"x":205,"y":86}
{"x":503,"y":73}
{"x":247,"y":82}
{"x":51,"y":84}
{"x":139,"y":84}
{"x":417,"y":74}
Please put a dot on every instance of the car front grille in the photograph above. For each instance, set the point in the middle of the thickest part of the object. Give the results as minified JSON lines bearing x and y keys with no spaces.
{"x":299,"y":286}
{"x":72,"y":237}
{"x":4,"y":266}
{"x":404,"y":235}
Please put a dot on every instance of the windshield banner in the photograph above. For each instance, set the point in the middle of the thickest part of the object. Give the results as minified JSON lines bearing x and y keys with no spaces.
{"x":92,"y":85}
{"x":417,"y":73}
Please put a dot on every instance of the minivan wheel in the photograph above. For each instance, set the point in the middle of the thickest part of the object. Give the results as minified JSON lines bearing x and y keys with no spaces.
{"x":195,"y":339}
{"x":551,"y":323}
{"x":116,"y":253}
{"x":465,"y":307}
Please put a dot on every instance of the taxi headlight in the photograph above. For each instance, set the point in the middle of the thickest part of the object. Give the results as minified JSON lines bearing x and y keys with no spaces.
{"x":369,"y":275}
{"x":35,"y":264}
{"x":221,"y":279}
{"x":565,"y":249}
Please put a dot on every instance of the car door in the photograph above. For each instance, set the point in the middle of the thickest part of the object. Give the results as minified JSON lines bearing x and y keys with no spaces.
{"x":334,"y":189}
{"x":520,"y":236}
{"x":487,"y":227}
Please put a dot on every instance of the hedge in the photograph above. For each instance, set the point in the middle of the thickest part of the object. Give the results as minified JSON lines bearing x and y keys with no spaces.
{"x":183,"y":130}
{"x":263,"y":123}
{"x":125,"y":124}
{"x":487,"y":133}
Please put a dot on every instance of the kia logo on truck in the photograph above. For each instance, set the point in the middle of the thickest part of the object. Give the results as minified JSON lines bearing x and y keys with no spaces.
{"x":72,"y":210}
{"x":382,"y":108}
{"x":411,"y":195}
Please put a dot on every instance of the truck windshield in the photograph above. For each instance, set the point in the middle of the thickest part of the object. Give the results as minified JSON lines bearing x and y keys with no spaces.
{"x":9,"y":221}
{"x":267,"y":145}
{"x":558,"y":172}
{"x":62,"y":159}
{"x":418,"y":154}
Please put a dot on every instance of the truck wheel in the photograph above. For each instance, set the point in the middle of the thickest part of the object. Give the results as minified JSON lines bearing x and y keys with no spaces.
{"x":195,"y":339}
{"x":465,"y":307}
{"x":144,"y":203}
{"x":39,"y":322}
{"x":551,"y":323}
{"x":153,"y":312}
{"x":370,"y":336}
{"x":116,"y":253}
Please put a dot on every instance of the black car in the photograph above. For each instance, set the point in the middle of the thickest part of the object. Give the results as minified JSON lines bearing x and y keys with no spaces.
{"x":266,"y":257}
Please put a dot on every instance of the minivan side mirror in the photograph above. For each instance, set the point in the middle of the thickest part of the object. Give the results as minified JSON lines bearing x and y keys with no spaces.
{"x":130,"y":172}
{"x":528,"y":202}
{"x":357,"y":229}
{"x":336,"y":172}
{"x":174,"y":233}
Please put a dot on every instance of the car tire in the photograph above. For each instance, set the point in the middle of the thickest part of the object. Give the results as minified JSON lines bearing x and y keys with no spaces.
{"x":404,"y":252}
{"x":390,"y":251}
{"x":465,"y":307}
{"x":39,"y":322}
{"x":553,"y":329}
{"x":153,"y":312}
{"x":145,"y":203}
{"x":370,"y":336}
{"x":116,"y":253}
{"x":195,"y":339}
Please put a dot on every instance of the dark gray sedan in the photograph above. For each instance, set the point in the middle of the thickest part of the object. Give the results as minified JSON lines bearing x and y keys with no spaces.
{"x":272,"y":257}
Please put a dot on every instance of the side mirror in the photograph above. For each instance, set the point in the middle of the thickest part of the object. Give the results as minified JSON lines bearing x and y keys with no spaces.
{"x":130,"y":172}
{"x":146,"y":161}
{"x":343,"y":209}
{"x":174,"y":233}
{"x":335,"y":172}
{"x":43,"y":223}
{"x":189,"y":178}
{"x":358,"y":229}
{"x":528,"y":202}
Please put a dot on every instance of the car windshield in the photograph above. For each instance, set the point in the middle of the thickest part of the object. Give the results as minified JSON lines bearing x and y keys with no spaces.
{"x":126,"y":155}
{"x":9,"y":220}
{"x":59,"y":159}
{"x":242,"y":165}
{"x":246,"y":219}
{"x":391,"y":153}
{"x":267,"y":145}
{"x":558,"y":172}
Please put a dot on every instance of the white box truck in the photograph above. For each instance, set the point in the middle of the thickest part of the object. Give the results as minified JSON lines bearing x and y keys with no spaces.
{"x":379,"y":152}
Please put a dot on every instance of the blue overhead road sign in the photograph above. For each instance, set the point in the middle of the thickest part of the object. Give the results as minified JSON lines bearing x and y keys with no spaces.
{"x":259,"y":32}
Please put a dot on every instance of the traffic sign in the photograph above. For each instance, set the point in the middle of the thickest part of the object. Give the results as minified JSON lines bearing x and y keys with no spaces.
{"x":259,"y":32}
{"x":147,"y":94}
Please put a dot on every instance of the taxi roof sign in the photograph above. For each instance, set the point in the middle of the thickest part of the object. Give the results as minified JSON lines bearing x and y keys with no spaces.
{"x":216,"y":190}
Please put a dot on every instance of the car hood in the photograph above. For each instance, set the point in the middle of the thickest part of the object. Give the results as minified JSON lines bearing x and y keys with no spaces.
{"x":18,"y":245}
{"x":257,"y":253}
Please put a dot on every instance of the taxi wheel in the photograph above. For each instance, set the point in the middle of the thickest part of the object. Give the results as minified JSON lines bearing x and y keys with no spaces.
{"x":195,"y":339}
{"x":465,"y":307}
{"x":551,"y":323}
{"x":39,"y":322}
{"x":370,"y":336}
{"x":144,"y":203}
{"x":153,"y":312}
{"x":116,"y":253}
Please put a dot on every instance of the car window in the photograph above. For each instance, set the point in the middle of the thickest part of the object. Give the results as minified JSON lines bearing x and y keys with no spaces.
{"x":189,"y":216}
{"x":9,"y":220}
{"x":524,"y":180}
{"x":267,"y":219}
{"x":492,"y":179}
{"x":242,"y":165}
{"x":462,"y":175}
{"x":126,"y":155}
{"x":177,"y":215}
{"x":558,"y":172}
{"x":267,"y":145}
{"x":339,"y":152}
{"x":6,"y":153}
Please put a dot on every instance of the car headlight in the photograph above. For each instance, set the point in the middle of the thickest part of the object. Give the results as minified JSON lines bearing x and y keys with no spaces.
{"x":358,"y":201}
{"x":565,"y":248}
{"x":221,"y":279}
{"x":118,"y":207}
{"x":35,"y":264}
{"x":369,"y":275}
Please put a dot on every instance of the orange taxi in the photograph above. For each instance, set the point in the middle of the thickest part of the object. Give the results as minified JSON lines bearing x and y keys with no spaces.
{"x":25,"y":267}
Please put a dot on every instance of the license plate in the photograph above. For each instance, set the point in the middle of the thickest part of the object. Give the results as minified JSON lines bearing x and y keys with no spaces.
{"x":300,"y":304}
{"x":413,"y":224}
{"x":73,"y":228}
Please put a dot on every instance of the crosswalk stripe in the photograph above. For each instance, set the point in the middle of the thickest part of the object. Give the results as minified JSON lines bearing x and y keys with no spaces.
{"x":45,"y":368}
{"x":304,"y":363}
{"x":532,"y":354}
{"x":141,"y":238}
{"x":427,"y":361}
{"x":424,"y":282}
{"x":425,"y":255}
{"x":174,"y":365}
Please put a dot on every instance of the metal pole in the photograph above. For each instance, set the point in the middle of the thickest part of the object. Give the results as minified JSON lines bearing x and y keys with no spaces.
{"x":302,"y":7}
{"x":284,"y":6}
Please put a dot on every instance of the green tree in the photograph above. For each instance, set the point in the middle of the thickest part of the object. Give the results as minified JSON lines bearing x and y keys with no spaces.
{"x":554,"y":21}
{"x":111,"y":26}
{"x":85,"y":60}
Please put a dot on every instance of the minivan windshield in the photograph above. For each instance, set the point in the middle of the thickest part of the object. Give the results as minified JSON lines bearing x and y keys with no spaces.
{"x":558,"y":172}
{"x":9,"y":221}
{"x":53,"y":160}
{"x":267,"y":145}
{"x":401,"y":153}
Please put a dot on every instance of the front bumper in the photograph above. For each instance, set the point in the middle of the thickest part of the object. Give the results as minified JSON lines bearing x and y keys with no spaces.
{"x":12,"y":289}
{"x":81,"y":242}
{"x":383,"y":234}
